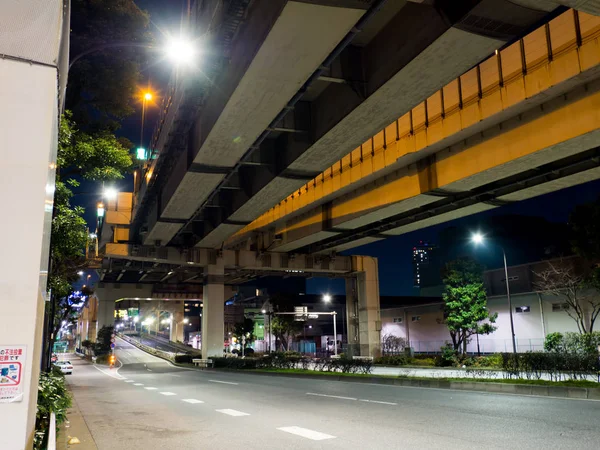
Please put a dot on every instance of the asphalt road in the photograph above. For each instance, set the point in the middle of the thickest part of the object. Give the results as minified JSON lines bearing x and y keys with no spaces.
{"x":149,"y":404}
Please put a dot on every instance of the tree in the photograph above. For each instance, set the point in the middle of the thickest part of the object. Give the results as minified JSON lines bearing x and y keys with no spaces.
{"x":285,"y":329}
{"x":244,"y":329}
{"x":584,"y":222}
{"x":578,"y":291}
{"x":465,"y":299}
{"x":103,"y":342}
{"x":102,"y":84}
{"x":100,"y":158}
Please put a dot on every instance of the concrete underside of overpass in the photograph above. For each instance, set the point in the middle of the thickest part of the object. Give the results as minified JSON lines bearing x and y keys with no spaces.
{"x":221,"y":269}
{"x":403,"y":54}
{"x":474,"y":157}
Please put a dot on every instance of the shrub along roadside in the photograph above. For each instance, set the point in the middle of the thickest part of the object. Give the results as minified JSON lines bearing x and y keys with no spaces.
{"x":290,"y":361}
{"x":52,"y":397}
{"x":558,"y":366}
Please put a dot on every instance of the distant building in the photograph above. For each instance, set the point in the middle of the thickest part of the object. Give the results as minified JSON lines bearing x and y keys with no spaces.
{"x":426,"y":265}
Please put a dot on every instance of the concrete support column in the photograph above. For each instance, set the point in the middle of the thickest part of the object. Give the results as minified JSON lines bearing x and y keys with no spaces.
{"x":106,"y":313}
{"x":177,"y":326}
{"x":213,"y":313}
{"x":352,"y":316}
{"x":367,"y":290}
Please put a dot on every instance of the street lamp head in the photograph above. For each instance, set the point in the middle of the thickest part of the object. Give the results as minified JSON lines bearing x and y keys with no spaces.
{"x":136,"y":319}
{"x":186,"y":320}
{"x":110,"y":193}
{"x":180,"y":51}
{"x":264,"y":311}
{"x":148,"y":96}
{"x":327,"y":298}
{"x":477,"y":238}
{"x":80,"y":273}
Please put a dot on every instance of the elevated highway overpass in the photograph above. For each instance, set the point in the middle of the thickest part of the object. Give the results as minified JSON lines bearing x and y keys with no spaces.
{"x":319,"y":125}
{"x":301,"y":85}
{"x":522,"y":123}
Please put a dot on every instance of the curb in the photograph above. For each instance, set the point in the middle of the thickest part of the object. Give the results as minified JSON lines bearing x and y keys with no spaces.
{"x":496,"y":388}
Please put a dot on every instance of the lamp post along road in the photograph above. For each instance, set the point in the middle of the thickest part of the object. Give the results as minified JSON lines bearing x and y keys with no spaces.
{"x":478,"y":238}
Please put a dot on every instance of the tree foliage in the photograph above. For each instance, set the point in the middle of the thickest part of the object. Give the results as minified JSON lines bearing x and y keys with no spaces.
{"x":577,"y":290}
{"x":585,"y":230}
{"x":465,"y":301}
{"x":102,"y":84}
{"x":244,"y":329}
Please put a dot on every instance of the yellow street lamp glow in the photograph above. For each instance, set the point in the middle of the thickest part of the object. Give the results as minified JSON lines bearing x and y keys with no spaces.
{"x":148,"y":96}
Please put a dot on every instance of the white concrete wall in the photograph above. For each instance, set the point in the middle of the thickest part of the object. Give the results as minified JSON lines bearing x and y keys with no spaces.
{"x":429,"y":333}
{"x":29,"y":35}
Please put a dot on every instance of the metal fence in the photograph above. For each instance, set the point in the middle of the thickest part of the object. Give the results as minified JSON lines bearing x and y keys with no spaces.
{"x":486,"y":346}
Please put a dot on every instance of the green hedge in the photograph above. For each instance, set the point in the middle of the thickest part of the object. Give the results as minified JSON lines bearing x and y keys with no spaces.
{"x":52,"y":397}
{"x":559,"y":366}
{"x":295,"y":361}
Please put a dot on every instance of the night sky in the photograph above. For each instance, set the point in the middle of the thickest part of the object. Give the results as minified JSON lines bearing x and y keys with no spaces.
{"x":395,"y":254}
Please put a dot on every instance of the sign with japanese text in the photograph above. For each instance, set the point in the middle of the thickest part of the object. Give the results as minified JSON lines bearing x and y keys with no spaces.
{"x":12,"y":361}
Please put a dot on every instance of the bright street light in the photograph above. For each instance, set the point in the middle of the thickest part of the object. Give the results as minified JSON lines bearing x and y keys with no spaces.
{"x":110,"y":193}
{"x":180,"y":51}
{"x":264,"y":311}
{"x":477,"y":238}
{"x":186,"y":320}
{"x":327,"y":298}
{"x":147,"y":96}
{"x":80,"y":273}
{"x":136,"y":319}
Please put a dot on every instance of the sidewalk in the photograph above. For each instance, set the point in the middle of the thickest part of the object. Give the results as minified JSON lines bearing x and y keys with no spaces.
{"x":75,"y":428}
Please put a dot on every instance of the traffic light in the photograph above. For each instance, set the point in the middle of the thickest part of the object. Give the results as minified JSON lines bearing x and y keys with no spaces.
{"x":111,"y":360}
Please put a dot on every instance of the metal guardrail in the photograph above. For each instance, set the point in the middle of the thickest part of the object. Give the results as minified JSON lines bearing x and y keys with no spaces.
{"x":160,"y":353}
{"x":52,"y":432}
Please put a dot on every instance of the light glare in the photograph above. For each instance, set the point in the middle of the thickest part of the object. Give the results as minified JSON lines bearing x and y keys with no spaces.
{"x":477,"y":238}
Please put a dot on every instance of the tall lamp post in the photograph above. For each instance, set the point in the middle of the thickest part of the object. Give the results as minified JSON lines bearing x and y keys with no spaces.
{"x":477,"y":239}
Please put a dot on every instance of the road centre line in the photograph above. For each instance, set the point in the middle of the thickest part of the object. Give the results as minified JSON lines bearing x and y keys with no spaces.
{"x":167,"y":393}
{"x":351,"y":398}
{"x":378,"y":402}
{"x":232,"y":412}
{"x":331,"y":396}
{"x":306,"y":433}
{"x":193,"y":401}
{"x":224,"y":382}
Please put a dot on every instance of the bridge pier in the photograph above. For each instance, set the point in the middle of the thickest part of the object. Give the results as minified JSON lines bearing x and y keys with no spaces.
{"x":362,"y":307}
{"x":213,"y":312}
{"x":107,"y":294}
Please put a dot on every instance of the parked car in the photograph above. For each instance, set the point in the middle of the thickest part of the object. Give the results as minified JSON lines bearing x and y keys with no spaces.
{"x":65,"y":367}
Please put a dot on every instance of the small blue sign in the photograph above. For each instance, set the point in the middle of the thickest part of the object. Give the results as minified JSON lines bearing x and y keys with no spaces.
{"x":112,"y":345}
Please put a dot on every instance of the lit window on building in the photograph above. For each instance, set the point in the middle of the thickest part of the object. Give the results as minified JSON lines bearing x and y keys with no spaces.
{"x":523,"y":309}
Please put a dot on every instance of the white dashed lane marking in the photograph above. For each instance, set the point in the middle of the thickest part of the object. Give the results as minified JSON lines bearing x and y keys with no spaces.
{"x":193,"y":401}
{"x":168,"y":393}
{"x":331,"y":396}
{"x":380,"y":403}
{"x":306,"y":433}
{"x":151,"y":388}
{"x":352,"y":398}
{"x":232,"y":412}
{"x":129,"y":381}
{"x":138,"y":384}
{"x":223,"y":382}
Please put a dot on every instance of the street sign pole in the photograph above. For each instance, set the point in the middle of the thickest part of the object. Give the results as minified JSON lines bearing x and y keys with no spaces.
{"x":334,"y":333}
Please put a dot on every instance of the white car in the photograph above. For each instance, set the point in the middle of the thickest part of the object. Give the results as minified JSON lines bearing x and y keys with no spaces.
{"x":65,"y":367}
